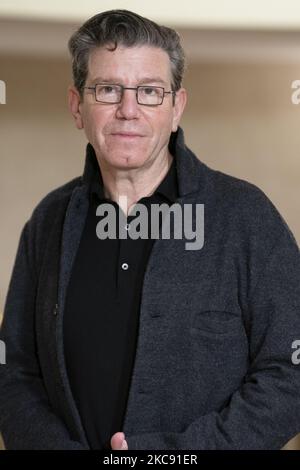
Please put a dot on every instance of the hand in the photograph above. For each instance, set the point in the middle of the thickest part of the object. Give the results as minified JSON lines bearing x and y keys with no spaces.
{"x":118,"y":442}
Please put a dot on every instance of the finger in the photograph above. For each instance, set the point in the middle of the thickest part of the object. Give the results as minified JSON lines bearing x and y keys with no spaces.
{"x":117,"y":440}
{"x":124,"y":445}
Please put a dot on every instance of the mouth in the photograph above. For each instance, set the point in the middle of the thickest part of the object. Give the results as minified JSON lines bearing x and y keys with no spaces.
{"x":126,"y":135}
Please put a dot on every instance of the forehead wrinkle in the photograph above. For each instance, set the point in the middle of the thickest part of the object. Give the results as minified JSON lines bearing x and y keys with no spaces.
{"x":119,"y":81}
{"x":156,"y":68}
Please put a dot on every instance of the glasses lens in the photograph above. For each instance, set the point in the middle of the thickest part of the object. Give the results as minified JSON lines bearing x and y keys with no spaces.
{"x":150,"y":95}
{"x":108,"y":93}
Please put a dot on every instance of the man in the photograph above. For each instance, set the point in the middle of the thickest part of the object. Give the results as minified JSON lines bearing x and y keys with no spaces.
{"x":140,"y":343}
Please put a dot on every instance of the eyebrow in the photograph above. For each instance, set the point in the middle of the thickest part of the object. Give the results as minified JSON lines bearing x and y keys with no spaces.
{"x":142,"y":81}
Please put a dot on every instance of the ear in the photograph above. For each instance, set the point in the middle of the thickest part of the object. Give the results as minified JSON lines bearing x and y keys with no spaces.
{"x":74,"y":106}
{"x":178,"y":107}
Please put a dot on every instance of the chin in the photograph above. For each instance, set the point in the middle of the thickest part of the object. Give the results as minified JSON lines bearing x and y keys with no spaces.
{"x":126,"y":161}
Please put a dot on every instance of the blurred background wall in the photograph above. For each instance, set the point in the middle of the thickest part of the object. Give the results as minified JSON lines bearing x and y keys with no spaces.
{"x":242,"y":59}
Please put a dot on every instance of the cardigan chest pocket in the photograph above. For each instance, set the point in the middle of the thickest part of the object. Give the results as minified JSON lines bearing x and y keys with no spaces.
{"x":216,"y":322}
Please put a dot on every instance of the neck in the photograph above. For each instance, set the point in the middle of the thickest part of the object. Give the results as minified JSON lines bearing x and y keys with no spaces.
{"x":133,"y":184}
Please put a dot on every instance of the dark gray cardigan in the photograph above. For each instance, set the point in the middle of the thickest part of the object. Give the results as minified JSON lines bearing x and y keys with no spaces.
{"x":213,"y":366}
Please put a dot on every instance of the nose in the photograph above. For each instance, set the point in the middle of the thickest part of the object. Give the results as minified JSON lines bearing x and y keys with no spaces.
{"x":128,"y":108}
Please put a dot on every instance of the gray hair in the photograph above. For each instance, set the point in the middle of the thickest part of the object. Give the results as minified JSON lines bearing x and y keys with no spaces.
{"x":129,"y":29}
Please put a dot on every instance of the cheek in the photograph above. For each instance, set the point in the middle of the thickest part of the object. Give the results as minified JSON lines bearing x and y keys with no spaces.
{"x":161,"y":122}
{"x":164,"y":124}
{"x":96,"y":117}
{"x":94,"y":122}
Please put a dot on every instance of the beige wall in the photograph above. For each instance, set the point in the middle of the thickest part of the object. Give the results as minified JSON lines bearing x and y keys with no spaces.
{"x":201,"y":13}
{"x":239,"y":119}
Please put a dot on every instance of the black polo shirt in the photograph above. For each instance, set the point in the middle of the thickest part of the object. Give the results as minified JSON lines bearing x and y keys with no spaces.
{"x":102,"y":314}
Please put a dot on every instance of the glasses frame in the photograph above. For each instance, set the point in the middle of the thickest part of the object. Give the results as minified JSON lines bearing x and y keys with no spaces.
{"x":172,"y":92}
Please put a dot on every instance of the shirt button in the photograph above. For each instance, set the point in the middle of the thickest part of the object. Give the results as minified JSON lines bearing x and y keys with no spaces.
{"x":125,"y":266}
{"x":127,"y":226}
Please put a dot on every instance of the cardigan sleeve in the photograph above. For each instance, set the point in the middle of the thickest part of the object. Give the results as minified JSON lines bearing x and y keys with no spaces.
{"x":27,"y":420}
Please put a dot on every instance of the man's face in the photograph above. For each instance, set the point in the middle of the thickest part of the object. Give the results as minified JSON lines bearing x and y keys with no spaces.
{"x":128,"y":135}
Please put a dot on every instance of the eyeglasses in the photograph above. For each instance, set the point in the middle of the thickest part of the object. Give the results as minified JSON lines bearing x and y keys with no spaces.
{"x":145,"y":94}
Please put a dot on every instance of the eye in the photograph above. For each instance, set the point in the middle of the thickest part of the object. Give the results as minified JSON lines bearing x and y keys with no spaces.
{"x":149,"y":90}
{"x":107,"y":89}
